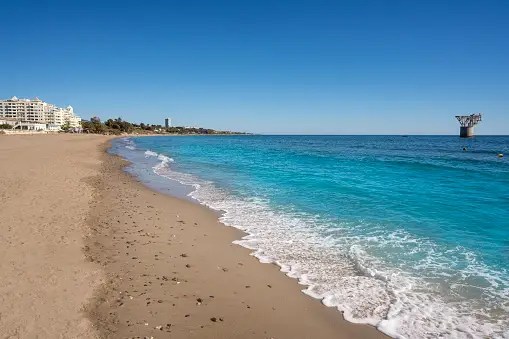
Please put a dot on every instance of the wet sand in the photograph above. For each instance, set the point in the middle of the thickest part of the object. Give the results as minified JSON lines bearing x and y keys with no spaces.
{"x":103,"y":256}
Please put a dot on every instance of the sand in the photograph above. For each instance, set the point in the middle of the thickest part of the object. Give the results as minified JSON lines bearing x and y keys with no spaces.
{"x":45,"y":278}
{"x":93,"y":253}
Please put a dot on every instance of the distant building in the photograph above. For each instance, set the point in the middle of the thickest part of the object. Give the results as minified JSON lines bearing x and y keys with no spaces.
{"x":37,"y":112}
{"x":167,"y":123}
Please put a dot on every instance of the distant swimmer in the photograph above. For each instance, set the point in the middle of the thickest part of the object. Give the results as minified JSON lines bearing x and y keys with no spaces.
{"x":500,"y":155}
{"x":464,"y":148}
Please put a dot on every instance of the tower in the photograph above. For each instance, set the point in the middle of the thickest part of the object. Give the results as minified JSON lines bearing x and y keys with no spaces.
{"x":167,"y":123}
{"x":467,"y":123}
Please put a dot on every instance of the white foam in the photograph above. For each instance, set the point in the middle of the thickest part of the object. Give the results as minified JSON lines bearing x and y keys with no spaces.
{"x":149,"y":153}
{"x":164,"y":158}
{"x":129,"y":144}
{"x":163,"y":164}
{"x":343,"y":272}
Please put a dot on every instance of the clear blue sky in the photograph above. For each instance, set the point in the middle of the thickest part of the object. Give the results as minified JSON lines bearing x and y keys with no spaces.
{"x":338,"y":67}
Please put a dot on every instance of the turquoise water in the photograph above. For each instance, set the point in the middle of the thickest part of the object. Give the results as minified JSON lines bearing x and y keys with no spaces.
{"x":409,"y":234}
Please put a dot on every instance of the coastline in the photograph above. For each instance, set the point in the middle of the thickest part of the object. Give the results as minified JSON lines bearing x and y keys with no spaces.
{"x":91,"y":252}
{"x":172,"y":269}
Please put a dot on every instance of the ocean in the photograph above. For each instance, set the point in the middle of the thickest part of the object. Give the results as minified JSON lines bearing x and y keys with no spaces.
{"x":407,"y":233}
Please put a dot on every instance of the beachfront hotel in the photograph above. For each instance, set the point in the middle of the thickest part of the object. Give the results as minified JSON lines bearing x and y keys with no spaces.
{"x":36,"y":114}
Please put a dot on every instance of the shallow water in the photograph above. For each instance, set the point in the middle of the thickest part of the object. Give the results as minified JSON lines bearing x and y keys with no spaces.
{"x":409,"y":234}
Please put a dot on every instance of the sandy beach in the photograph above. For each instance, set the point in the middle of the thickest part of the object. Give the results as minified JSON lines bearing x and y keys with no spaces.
{"x":45,"y":278}
{"x":88,"y":252}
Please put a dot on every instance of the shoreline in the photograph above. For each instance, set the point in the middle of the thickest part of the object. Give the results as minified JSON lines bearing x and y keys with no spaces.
{"x":229,"y":294}
{"x":90,"y":252}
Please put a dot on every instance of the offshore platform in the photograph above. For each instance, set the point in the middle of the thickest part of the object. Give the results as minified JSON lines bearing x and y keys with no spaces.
{"x":467,"y":123}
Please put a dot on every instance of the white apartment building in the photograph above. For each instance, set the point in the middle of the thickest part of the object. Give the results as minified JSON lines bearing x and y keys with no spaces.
{"x":38,"y":111}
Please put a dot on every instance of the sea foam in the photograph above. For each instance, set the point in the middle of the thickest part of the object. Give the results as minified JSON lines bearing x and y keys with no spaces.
{"x":149,"y":153}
